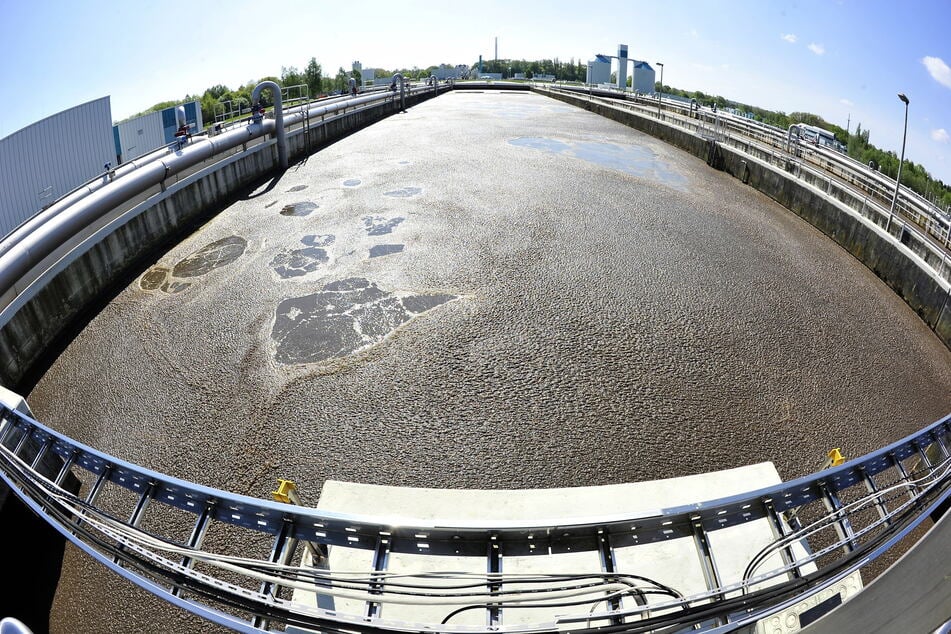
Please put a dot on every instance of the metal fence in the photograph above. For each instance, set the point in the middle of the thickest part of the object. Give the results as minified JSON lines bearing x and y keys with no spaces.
{"x":865,"y":191}
{"x":154,"y":530}
{"x":826,"y":525}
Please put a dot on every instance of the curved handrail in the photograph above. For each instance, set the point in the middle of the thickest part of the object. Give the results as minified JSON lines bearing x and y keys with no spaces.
{"x":123,"y":547}
{"x":925,"y":486}
{"x":863,"y":189}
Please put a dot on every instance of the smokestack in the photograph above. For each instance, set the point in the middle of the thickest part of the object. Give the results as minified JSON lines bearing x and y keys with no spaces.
{"x":496,"y":48}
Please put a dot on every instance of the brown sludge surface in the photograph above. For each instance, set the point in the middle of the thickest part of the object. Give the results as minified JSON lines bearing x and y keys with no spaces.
{"x":574,"y":303}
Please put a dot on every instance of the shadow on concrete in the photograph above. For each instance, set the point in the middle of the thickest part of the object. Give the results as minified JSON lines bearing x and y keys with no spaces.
{"x":271,"y":185}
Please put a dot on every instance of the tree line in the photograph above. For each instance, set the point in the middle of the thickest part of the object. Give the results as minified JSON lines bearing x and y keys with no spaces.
{"x":219,"y":100}
{"x":563,"y":71}
{"x":913,"y":175}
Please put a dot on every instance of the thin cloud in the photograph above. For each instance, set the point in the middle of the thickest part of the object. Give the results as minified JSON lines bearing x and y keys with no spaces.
{"x":818,"y":49}
{"x":940,"y":135}
{"x":938,"y":70}
{"x":790,"y":37}
{"x":846,"y":102}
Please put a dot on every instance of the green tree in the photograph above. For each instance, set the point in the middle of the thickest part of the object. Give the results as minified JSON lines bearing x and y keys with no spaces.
{"x":313,"y":77}
{"x":340,"y":81}
{"x":290,"y":76}
{"x":216,"y":91}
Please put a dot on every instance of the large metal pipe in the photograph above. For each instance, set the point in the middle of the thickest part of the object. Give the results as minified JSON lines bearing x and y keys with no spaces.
{"x":43,"y":235}
{"x":402,"y":90}
{"x":31,"y":224}
{"x":278,"y":117}
{"x":45,"y":238}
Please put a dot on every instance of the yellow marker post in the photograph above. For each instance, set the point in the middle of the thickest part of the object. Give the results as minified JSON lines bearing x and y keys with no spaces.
{"x":285,"y":491}
{"x":835,"y":457}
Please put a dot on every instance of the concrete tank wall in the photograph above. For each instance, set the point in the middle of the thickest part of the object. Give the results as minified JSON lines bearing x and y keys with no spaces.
{"x":894,"y":264}
{"x":50,"y":317}
{"x":46,"y":318}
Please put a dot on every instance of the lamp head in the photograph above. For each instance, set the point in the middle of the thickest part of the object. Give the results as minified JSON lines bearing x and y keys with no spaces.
{"x":902,"y":96}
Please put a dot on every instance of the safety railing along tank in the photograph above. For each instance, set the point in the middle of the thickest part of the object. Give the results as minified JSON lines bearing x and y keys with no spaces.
{"x":934,"y":236}
{"x":931,"y":218}
{"x":846,"y":516}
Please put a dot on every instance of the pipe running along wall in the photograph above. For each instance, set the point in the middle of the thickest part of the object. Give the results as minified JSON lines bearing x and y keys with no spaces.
{"x":44,"y":235}
{"x":402,"y":89}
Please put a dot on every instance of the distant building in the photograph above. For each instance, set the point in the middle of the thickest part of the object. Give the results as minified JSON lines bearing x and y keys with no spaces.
{"x":643,"y":78}
{"x":367,"y":75}
{"x":49,"y":158}
{"x":599,"y":70}
{"x":141,"y":135}
{"x":541,"y":77}
{"x":622,"y":66}
{"x":451,"y":72}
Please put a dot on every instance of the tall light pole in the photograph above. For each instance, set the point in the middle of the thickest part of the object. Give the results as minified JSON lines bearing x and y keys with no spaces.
{"x":661,"y":87}
{"x":904,"y":136}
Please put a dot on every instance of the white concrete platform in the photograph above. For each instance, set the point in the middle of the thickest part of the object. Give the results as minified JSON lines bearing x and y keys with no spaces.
{"x":674,"y":563}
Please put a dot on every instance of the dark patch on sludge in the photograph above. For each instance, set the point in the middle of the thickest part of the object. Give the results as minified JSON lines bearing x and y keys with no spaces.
{"x":378,"y":225}
{"x":404,"y":192}
{"x":345,"y":316}
{"x":210,"y":257}
{"x":298,"y":209}
{"x":297,"y":188}
{"x":351,"y":182}
{"x":323,"y":240}
{"x":298,"y":262}
{"x":158,"y":279}
{"x":153,"y":279}
{"x":379,"y":250}
{"x":174,"y":286}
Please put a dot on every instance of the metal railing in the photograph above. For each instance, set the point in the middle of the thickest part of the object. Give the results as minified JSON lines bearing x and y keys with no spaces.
{"x":826,"y":526}
{"x":40,"y":242}
{"x":866,"y":191}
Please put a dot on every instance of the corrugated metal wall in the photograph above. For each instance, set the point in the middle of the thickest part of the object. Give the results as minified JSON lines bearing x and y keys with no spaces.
{"x":644,"y":78}
{"x":193,"y":116}
{"x":150,"y":131}
{"x":49,"y":158}
{"x":141,"y":135}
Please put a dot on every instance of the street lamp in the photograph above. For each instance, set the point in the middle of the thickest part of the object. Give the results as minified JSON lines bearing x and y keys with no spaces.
{"x":904,"y":136}
{"x":661,"y":87}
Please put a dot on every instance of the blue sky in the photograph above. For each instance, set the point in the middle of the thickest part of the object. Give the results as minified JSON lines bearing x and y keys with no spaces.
{"x":836,"y":59}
